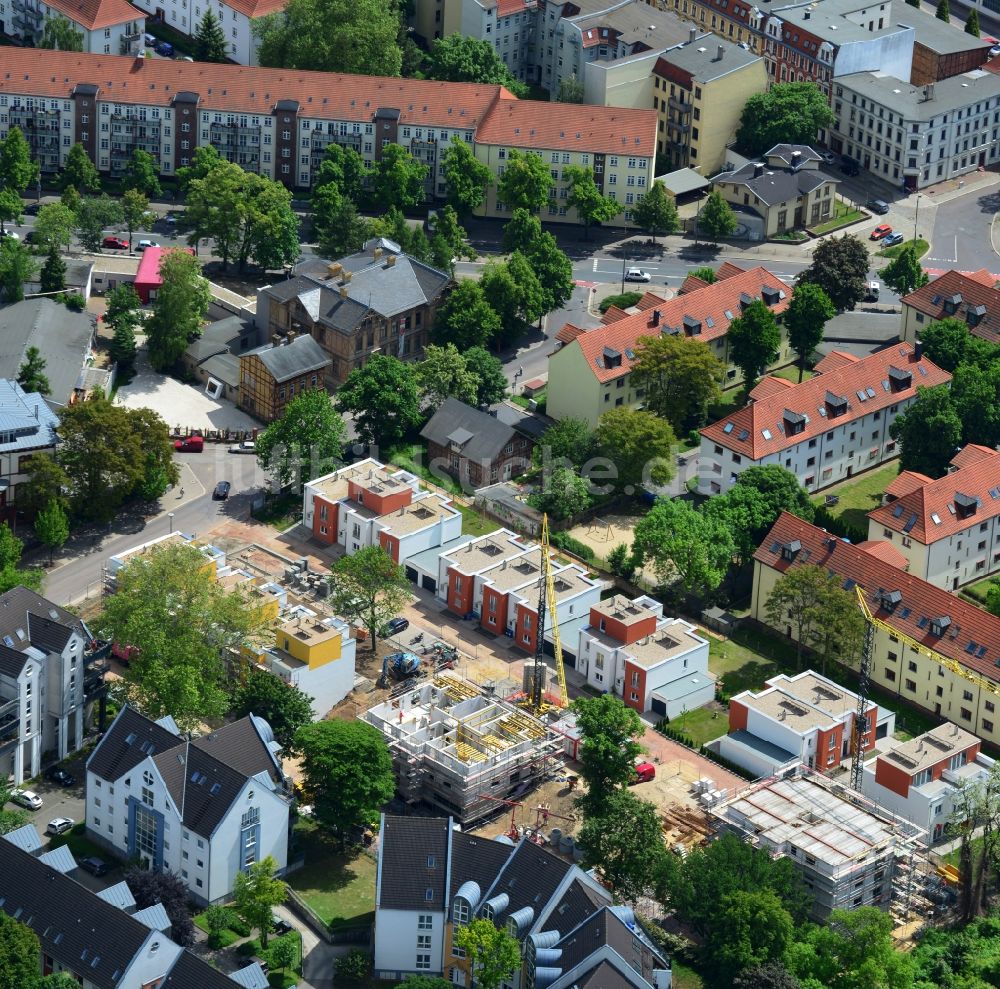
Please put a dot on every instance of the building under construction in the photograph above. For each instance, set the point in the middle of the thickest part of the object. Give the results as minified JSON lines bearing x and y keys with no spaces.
{"x":461,"y":749}
{"x":848,"y":851}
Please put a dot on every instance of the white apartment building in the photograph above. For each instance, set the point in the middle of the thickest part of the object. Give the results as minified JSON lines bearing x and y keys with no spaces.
{"x":204,"y":809}
{"x":653,"y":663}
{"x":919,"y":135}
{"x":805,"y":719}
{"x":949,"y":528}
{"x":109,"y":27}
{"x":920,"y":779}
{"x":823,"y":430}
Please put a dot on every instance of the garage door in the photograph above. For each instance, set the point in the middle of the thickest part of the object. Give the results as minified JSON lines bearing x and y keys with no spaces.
{"x":429,"y":584}
{"x":659,"y":707}
{"x":411,"y":574}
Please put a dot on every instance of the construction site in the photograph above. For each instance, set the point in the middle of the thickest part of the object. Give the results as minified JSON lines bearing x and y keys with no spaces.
{"x":461,"y":750}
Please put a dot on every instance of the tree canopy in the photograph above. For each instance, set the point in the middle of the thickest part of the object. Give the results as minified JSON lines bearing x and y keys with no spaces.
{"x":282,"y":705}
{"x":904,"y":274}
{"x":60,"y":33}
{"x":948,"y":343}
{"x":805,"y":318}
{"x":369,"y":588}
{"x":210,"y":43}
{"x":525,"y":182}
{"x":79,"y":172}
{"x":179,"y":309}
{"x":928,"y":432}
{"x":443,"y":373}
{"x":716,"y":218}
{"x":656,"y":212}
{"x":383,"y":398}
{"x":609,"y":733}
{"x":754,"y":340}
{"x":591,"y":205}
{"x":256,"y":892}
{"x":141,"y":174}
{"x":465,"y":318}
{"x":641,"y":447}
{"x":839,"y":267}
{"x":462,"y":58}
{"x":467,"y":179}
{"x":788,"y":113}
{"x":397,"y":179}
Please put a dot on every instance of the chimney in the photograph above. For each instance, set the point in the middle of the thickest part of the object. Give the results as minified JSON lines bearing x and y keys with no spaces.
{"x":343,"y":291}
{"x":692,"y":36}
{"x":796,"y":159}
{"x":390,"y":261}
{"x":656,"y":317}
{"x":335,"y":269}
{"x":378,"y":253}
{"x":348,"y":275}
{"x":758,"y":169}
{"x":918,"y":349}
{"x":806,"y":15}
{"x":276,"y":340}
{"x":290,"y":336}
{"x":720,"y":51}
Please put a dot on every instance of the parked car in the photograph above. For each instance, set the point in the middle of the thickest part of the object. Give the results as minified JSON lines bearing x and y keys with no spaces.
{"x":32,"y":209}
{"x":893,"y":239}
{"x":849,"y":166}
{"x":193,"y":444}
{"x":143,"y":244}
{"x":880,"y":232}
{"x":94,"y":865}
{"x":644,"y":772}
{"x":279,"y":925}
{"x":115,"y":244}
{"x":60,"y":825}
{"x":879,"y":206}
{"x":27,"y":799}
{"x":396,"y":625}
{"x":60,"y":777}
{"x":247,"y":446}
{"x":151,"y":40}
{"x":164,"y":48}
{"x":637,"y":275}
{"x":828,"y":157}
{"x":221,"y":492}
{"x":994,"y":51}
{"x":10,"y":233}
{"x":872,"y":290}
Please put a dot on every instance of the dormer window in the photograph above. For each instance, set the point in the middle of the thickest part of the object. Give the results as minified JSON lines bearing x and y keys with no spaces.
{"x":940,"y":625}
{"x":771,"y":296}
{"x":974,"y":315}
{"x":890,"y":600}
{"x":745,"y":300}
{"x":692,"y":326}
{"x":836,"y":405}
{"x":655,"y":320}
{"x":795,"y":422}
{"x":951,"y":303}
{"x":791,"y":550}
{"x":965,"y":505}
{"x":461,"y":912}
{"x":612,"y":357}
{"x":899,"y":379}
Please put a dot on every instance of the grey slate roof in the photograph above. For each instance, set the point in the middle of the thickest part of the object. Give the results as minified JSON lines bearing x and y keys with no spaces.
{"x":11,"y":661}
{"x":786,"y":153}
{"x":478,"y":859}
{"x":62,"y":337}
{"x":605,"y":976}
{"x":190,"y":972}
{"x":480,"y":435}
{"x":530,"y":877}
{"x":408,"y":843}
{"x":116,"y":754}
{"x":776,"y":185}
{"x":18,"y":603}
{"x":220,"y":337}
{"x":701,"y":57}
{"x":243,"y":745}
{"x":529,"y":424}
{"x":936,"y":35}
{"x":907,"y":100}
{"x":290,"y":359}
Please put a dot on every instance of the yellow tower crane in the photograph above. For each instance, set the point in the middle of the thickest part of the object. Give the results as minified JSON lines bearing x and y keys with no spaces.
{"x":547,"y":602}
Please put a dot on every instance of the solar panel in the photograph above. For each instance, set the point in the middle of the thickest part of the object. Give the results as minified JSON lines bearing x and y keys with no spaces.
{"x":910,"y":523}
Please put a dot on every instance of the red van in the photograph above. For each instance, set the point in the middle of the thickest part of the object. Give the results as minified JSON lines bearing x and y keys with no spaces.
{"x":644,"y":772}
{"x":193,"y":444}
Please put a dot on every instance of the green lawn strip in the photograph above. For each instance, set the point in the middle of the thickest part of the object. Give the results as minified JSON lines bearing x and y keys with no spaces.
{"x":281,"y":512}
{"x":843,"y":215}
{"x":701,"y":725}
{"x":979,"y":591}
{"x":894,"y":252}
{"x":80,"y":845}
{"x":413,"y":457}
{"x":339,"y":888}
{"x":738,"y":667}
{"x":859,"y":495}
{"x":685,"y":977}
{"x":791,"y":373}
{"x":474,"y":524}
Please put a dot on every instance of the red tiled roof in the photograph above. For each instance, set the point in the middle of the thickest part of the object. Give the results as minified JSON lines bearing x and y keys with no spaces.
{"x":744,"y":431}
{"x":971,"y":454}
{"x":505,"y":7}
{"x":883,"y":550}
{"x":835,"y":360}
{"x":249,"y":89}
{"x":690,"y":283}
{"x":96,"y":14}
{"x":929,"y":512}
{"x":726,"y":270}
{"x":612,"y":314}
{"x":920,"y":600}
{"x":257,"y":8}
{"x":907,"y":481}
{"x":710,"y":303}
{"x":570,"y":127}
{"x":770,"y":386}
{"x":975,"y":289}
{"x":569,"y":333}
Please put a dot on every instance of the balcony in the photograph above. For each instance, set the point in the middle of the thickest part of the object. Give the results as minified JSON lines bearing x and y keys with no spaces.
{"x":10,"y":724}
{"x":93,"y":681}
{"x":680,"y":105}
{"x":97,"y":649}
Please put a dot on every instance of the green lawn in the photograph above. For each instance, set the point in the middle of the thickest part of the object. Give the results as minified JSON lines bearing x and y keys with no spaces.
{"x":979,"y":590}
{"x":282,"y":511}
{"x":738,"y":666}
{"x":893,"y":252}
{"x":685,"y":977}
{"x":859,"y":496}
{"x":475,"y":524}
{"x":842,"y":216}
{"x":413,"y":457}
{"x":80,"y":845}
{"x":791,"y":373}
{"x":341,"y":889}
{"x":702,"y":724}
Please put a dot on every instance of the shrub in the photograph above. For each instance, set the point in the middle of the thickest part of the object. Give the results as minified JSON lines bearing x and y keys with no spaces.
{"x":825,"y":519}
{"x":622,"y":301}
{"x":72,"y":300}
{"x":239,"y":926}
{"x":353,"y":967}
{"x":720,"y":760}
{"x":694,"y":437}
{"x":565,"y":541}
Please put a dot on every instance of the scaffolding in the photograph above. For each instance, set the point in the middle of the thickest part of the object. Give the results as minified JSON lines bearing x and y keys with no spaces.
{"x":459,"y":749}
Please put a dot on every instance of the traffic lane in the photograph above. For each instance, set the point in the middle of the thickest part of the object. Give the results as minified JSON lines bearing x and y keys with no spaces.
{"x":962,"y":230}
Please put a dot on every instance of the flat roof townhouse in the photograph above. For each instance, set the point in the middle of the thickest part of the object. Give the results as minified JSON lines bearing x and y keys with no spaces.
{"x":823,"y":430}
{"x":654,"y":663}
{"x":590,"y":373}
{"x":948,"y":529}
{"x":970,"y":296}
{"x":377,"y":301}
{"x":433,"y":879}
{"x":369,"y":504}
{"x":805,"y":720}
{"x":278,"y":122}
{"x":51,"y":674}
{"x":920,"y":780}
{"x":949,"y":626}
{"x":101,"y":939}
{"x":111,"y":27}
{"x":204,"y":808}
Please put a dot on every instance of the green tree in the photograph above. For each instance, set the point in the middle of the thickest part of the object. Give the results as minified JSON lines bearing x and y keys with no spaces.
{"x":781,"y":490}
{"x":975,"y":397}
{"x":788,"y":113}
{"x":54,"y":225}
{"x":948,"y":343}
{"x":53,"y":274}
{"x":105,"y":451}
{"x":149,"y":887}
{"x":797,"y":604}
{"x":46,"y":482}
{"x":398,"y":179}
{"x":752,"y":928}
{"x":744,"y":511}
{"x":283,"y":706}
{"x":567,"y":442}
{"x":591,"y":205}
{"x":354,"y":967}
{"x":284,"y":952}
{"x":60,"y":33}
{"x":424,"y":982}
{"x":19,"y":955}
{"x":218,"y":919}
{"x":181,"y":624}
{"x":553,"y":269}
{"x":466,"y":177}
{"x":685,"y":547}
{"x":705,"y":274}
{"x":11,"y":818}
{"x":491,"y":383}
{"x":903,"y":274}
{"x":609,"y":747}
{"x":141,"y":175}
{"x":52,"y":527}
{"x":11,"y":549}
{"x":307,"y":441}
{"x":443,"y":374}
{"x":93,"y":215}
{"x":203,"y":162}
{"x":256,"y":892}
{"x":971,"y":23}
{"x":840,"y":268}
{"x":562,"y":494}
{"x":621,"y":562}
{"x":928,"y":432}
{"x":347,"y":767}
{"x":455,"y":240}
{"x":338,"y":227}
{"x":135,"y":211}
{"x":122,"y":315}
{"x":70,"y":198}
{"x":344,"y":169}
{"x":839,"y":635}
{"x":521,"y":231}
{"x":460,"y":58}
{"x":383,"y":398}
{"x":513,"y":290}
{"x":18,"y":169}
{"x":179,"y":309}
{"x":805,"y":318}
{"x":525,"y":182}
{"x":656,"y":212}
{"x":79,"y":171}
{"x":640,"y":445}
{"x":494,"y":955}
{"x":355,"y":36}
{"x":210,"y":43}
{"x":754,"y":340}
{"x":943,"y":12}
{"x":770,"y":975}
{"x":17,"y":266}
{"x":570,"y":90}
{"x":625,"y":844}
{"x":681,"y":378}
{"x":717,"y":219}
{"x":369,"y":588}
{"x":11,"y":208}
{"x":465,"y":318}
{"x":31,"y":374}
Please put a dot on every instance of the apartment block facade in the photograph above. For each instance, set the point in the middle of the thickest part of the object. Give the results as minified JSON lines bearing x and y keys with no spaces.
{"x":970,"y":296}
{"x":278,"y":123}
{"x":948,"y":529}
{"x":947,"y":625}
{"x":823,"y":430}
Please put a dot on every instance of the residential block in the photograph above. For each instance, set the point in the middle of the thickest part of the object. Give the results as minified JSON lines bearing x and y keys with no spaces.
{"x":972,"y":297}
{"x":111,"y":27}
